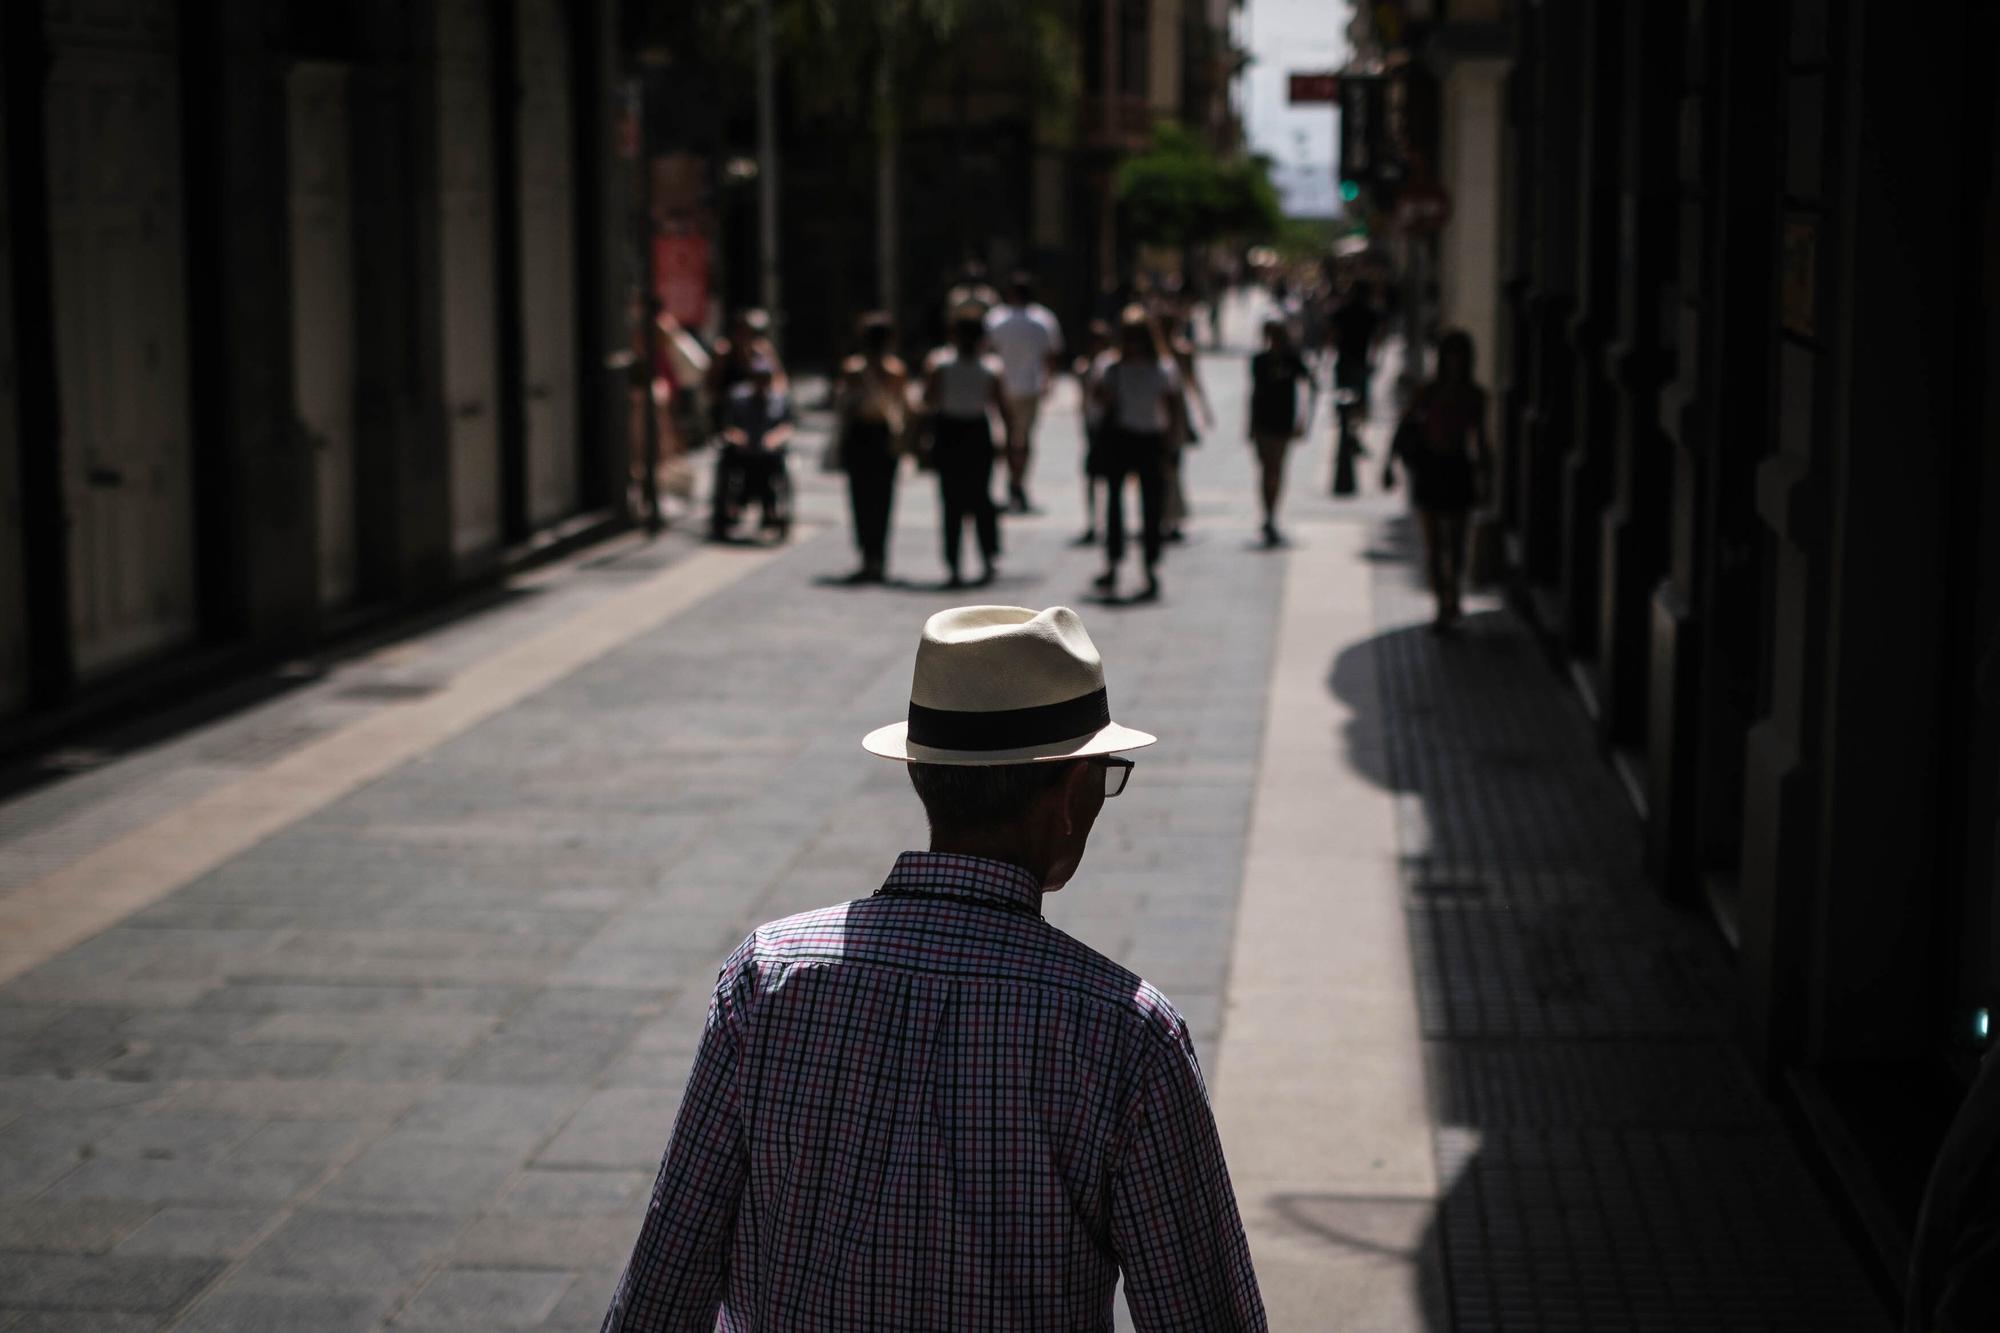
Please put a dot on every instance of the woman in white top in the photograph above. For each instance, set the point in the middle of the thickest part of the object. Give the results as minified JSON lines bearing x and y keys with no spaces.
{"x":962,"y":389}
{"x":1143,"y":405}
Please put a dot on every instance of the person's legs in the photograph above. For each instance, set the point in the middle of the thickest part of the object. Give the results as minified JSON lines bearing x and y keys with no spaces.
{"x":1022,"y":411}
{"x":770,"y":482}
{"x":1173,"y":511}
{"x":951,"y":500}
{"x":869,"y":484}
{"x":726,"y":501}
{"x":1091,"y":463}
{"x":1115,"y":473}
{"x":1154,"y":493}
{"x":858,"y":505}
{"x":885,"y":508}
{"x":1271,"y":450}
{"x":986,"y":515}
{"x":1453,"y":527}
{"x":1431,"y":522}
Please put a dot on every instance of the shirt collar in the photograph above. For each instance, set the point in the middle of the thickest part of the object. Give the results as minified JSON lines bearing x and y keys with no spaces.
{"x":970,"y":877}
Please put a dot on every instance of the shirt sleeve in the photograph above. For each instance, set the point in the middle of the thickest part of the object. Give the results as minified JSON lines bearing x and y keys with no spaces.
{"x":1174,"y":1222}
{"x":674,"y":1281}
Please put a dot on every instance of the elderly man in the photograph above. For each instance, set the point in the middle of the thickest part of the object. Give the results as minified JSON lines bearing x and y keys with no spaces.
{"x":929,"y":1108}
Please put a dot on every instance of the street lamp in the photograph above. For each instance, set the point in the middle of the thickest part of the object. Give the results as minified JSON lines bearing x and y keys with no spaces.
{"x":767,"y":163}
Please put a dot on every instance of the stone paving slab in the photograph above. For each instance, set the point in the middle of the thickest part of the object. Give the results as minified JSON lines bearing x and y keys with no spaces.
{"x":408,"y":1058}
{"x":1606,"y":1161}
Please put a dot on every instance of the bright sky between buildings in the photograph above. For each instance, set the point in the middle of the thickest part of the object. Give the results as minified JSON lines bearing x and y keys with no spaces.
{"x":1284,"y":36}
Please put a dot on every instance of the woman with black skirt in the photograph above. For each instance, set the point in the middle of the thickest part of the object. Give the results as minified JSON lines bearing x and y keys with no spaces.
{"x":962,"y":391}
{"x":1442,"y":442}
{"x":873,"y":404}
{"x":1141,"y":394}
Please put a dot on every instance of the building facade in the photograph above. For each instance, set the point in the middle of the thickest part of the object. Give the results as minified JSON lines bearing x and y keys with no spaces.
{"x":306,"y":310}
{"x":1001,"y":145}
{"x":1746,"y":314}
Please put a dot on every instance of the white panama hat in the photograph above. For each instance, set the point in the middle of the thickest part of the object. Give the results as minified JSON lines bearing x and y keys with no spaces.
{"x":1005,"y":685}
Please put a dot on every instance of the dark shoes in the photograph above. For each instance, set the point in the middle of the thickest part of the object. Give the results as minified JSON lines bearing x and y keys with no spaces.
{"x":1107,"y":583}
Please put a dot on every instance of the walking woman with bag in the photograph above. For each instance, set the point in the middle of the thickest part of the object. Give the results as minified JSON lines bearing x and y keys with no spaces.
{"x":962,"y":391}
{"x":1275,"y":376}
{"x":1141,"y":394}
{"x":874,"y":404}
{"x":1442,"y":442}
{"x":1170,"y":325}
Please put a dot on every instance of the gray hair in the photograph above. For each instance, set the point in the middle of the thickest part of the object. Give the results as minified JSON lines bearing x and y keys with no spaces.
{"x":969,"y":796}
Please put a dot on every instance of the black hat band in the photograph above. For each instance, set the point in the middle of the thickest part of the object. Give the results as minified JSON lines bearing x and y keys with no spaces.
{"x":1009,"y":728}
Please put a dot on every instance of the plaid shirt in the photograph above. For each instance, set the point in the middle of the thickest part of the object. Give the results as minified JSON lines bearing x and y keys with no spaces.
{"x":931,"y":1109}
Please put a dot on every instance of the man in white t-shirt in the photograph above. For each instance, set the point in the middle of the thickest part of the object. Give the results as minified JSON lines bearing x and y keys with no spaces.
{"x":1029,"y":342}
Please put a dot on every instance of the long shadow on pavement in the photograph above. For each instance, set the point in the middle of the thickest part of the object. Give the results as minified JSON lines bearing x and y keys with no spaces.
{"x":1605,"y":1158}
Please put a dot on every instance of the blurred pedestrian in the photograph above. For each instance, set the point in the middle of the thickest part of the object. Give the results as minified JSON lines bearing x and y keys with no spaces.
{"x":757,"y":428}
{"x":929,"y":1108}
{"x":1089,"y":371}
{"x":1356,"y":323}
{"x":1028,"y":340}
{"x":1315,"y":323}
{"x":874,"y":405}
{"x":969,"y":289}
{"x":1442,"y":443}
{"x":1275,"y":375}
{"x":747,"y":342}
{"x":1172,"y":325}
{"x":963,"y":392}
{"x":1141,"y":394}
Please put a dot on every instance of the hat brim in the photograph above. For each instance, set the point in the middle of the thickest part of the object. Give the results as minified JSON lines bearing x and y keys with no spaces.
{"x":893,"y":742}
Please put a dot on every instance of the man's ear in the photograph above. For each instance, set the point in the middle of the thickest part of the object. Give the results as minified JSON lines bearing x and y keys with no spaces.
{"x":1076,"y":772}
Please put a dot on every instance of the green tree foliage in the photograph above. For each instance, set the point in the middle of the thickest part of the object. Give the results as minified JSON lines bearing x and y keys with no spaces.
{"x":1179,"y":193}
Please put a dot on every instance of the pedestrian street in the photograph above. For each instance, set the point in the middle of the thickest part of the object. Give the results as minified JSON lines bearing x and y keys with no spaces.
{"x":363,"y":998}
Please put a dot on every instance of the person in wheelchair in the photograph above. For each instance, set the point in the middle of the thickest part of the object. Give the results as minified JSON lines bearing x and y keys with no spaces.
{"x":757,"y":426}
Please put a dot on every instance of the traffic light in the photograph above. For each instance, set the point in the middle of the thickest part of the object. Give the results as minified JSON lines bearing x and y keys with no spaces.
{"x":1363,"y":144}
{"x":1350,"y":191}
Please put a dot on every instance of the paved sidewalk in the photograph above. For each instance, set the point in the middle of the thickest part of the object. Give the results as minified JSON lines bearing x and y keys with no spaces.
{"x":1605,"y":1159}
{"x":384,"y":1014}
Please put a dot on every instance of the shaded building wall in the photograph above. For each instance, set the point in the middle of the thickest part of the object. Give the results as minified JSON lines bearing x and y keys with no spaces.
{"x":1748,"y":432}
{"x":262,"y":239}
{"x":13,"y":601}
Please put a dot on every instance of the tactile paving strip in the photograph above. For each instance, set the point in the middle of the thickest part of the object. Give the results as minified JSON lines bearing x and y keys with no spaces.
{"x":1567,"y":1084}
{"x":1639,"y":1230}
{"x":1607,"y":1161}
{"x":1571,"y":970}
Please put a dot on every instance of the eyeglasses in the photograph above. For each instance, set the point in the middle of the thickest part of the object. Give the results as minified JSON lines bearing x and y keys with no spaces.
{"x":1117,"y":772}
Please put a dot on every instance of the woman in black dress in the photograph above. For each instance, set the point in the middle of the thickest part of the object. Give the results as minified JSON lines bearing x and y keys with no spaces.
{"x":1442,"y":442}
{"x":1275,"y":376}
{"x":962,"y":391}
{"x":874,"y":388}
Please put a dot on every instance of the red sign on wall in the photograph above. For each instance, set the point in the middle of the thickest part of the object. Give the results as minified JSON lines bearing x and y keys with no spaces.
{"x":1305,"y":87}
{"x":680,"y":276}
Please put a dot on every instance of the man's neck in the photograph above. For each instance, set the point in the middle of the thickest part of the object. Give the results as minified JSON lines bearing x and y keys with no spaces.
{"x":989,"y":846}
